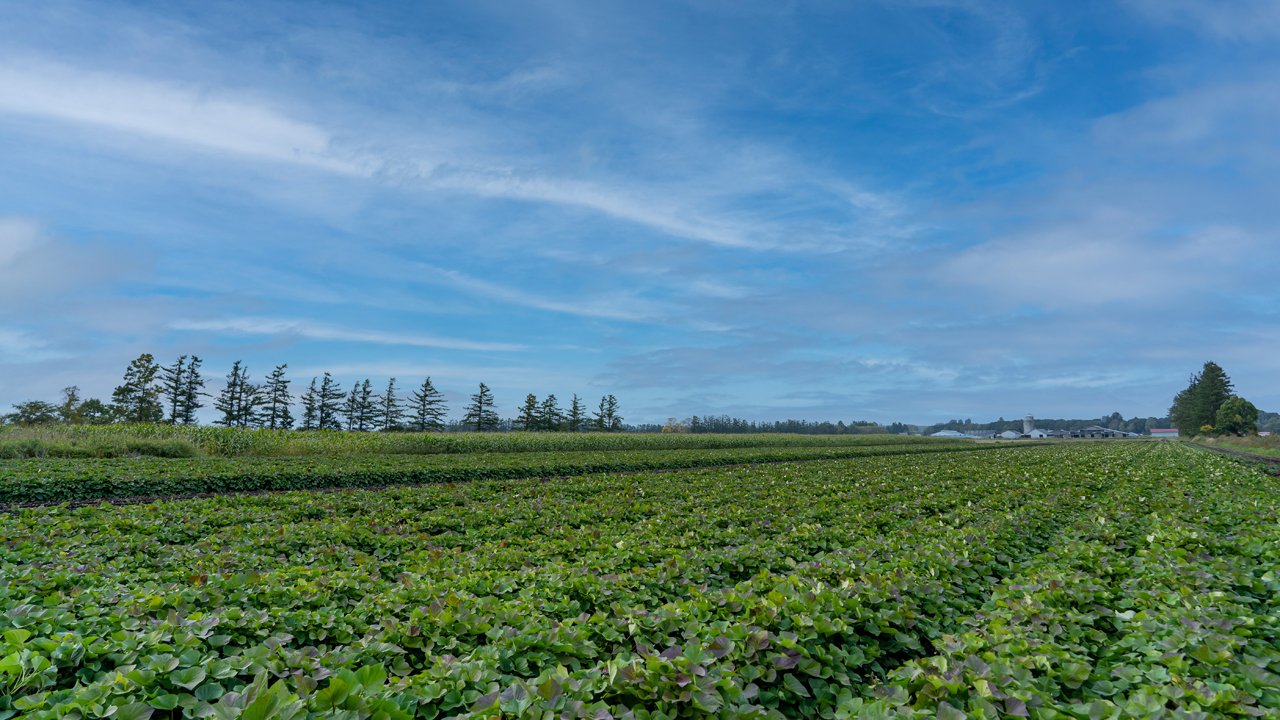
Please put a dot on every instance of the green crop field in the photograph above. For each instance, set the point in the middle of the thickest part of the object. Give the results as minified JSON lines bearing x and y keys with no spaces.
{"x":1090,"y":580}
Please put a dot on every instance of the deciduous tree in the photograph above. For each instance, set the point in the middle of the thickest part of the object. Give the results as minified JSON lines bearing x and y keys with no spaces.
{"x":1236,"y":416}
{"x":33,"y":412}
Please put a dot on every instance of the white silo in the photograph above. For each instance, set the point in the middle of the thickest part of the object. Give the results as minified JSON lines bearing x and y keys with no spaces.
{"x":1028,"y":424}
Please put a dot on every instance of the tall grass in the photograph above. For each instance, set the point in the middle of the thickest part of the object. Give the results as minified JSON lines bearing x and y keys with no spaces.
{"x":168,"y":440}
{"x":1261,"y":445}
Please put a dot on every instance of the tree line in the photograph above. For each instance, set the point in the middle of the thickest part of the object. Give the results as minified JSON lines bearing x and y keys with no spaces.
{"x":1207,"y":406}
{"x":173,"y":394}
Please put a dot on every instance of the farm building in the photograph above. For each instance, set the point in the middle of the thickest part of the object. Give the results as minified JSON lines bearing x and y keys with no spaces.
{"x":1097,"y":431}
{"x":950,"y":434}
{"x":1164,"y":432}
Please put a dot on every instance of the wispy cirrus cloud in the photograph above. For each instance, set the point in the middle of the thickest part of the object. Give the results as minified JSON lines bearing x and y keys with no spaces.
{"x":210,"y":119}
{"x":308,"y":330}
{"x":1234,"y":20}
{"x":621,"y":306}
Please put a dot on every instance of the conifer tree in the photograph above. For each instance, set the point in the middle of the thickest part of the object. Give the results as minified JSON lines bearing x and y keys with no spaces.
{"x":137,"y":399}
{"x":577,"y":413}
{"x":359,"y":407}
{"x":276,"y":413}
{"x":239,"y":400}
{"x":615,"y":420}
{"x":311,"y":407}
{"x":173,"y":387}
{"x":428,"y":408}
{"x":550,"y":416}
{"x":351,"y":408}
{"x":480,"y":414}
{"x":330,"y":404}
{"x":192,"y":391}
{"x":606,"y":417}
{"x":1195,"y":408}
{"x":528,"y":417}
{"x":366,"y":407}
{"x":389,"y":411}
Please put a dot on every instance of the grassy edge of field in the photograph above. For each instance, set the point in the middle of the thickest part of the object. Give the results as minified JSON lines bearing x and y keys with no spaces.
{"x":176,"y":441}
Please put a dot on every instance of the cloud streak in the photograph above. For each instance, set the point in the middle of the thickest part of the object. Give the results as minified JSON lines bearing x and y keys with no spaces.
{"x":209,"y":120}
{"x":303,"y":329}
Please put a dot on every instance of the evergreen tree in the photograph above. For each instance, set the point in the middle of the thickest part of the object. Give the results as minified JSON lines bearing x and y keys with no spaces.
{"x":351,"y":408}
{"x":389,"y":411}
{"x":192,"y":391}
{"x":1195,"y":408}
{"x":330,"y":404}
{"x":428,"y":408}
{"x":528,"y":418}
{"x":276,"y":412}
{"x":239,"y":400}
{"x":311,"y":407}
{"x":367,"y":410}
{"x":359,"y":407}
{"x":480,"y":414}
{"x":601,"y":415}
{"x":173,"y":386}
{"x":550,"y":416}
{"x":615,"y":420}
{"x":137,"y":399}
{"x":577,"y":413}
{"x":606,"y":417}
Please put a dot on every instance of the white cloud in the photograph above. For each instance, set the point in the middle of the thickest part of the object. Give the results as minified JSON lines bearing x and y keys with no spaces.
{"x":211,"y":120}
{"x":18,"y":236}
{"x":235,"y":123}
{"x":1224,"y":19}
{"x":35,"y":267}
{"x":316,"y":331}
{"x":619,"y":308}
{"x":18,"y":346}
{"x":1105,"y":259}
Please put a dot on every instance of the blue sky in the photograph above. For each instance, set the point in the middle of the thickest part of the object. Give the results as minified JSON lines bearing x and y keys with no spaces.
{"x":905,"y":211}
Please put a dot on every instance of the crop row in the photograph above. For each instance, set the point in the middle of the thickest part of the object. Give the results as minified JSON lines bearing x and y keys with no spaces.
{"x":1076,"y":581}
{"x":55,"y":481}
{"x":1166,"y":603}
{"x":114,"y":440}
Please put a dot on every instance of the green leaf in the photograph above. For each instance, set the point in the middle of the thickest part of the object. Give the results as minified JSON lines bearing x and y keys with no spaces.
{"x":165,"y":702}
{"x":134,"y":711}
{"x":187,"y":678}
{"x":794,"y":685}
